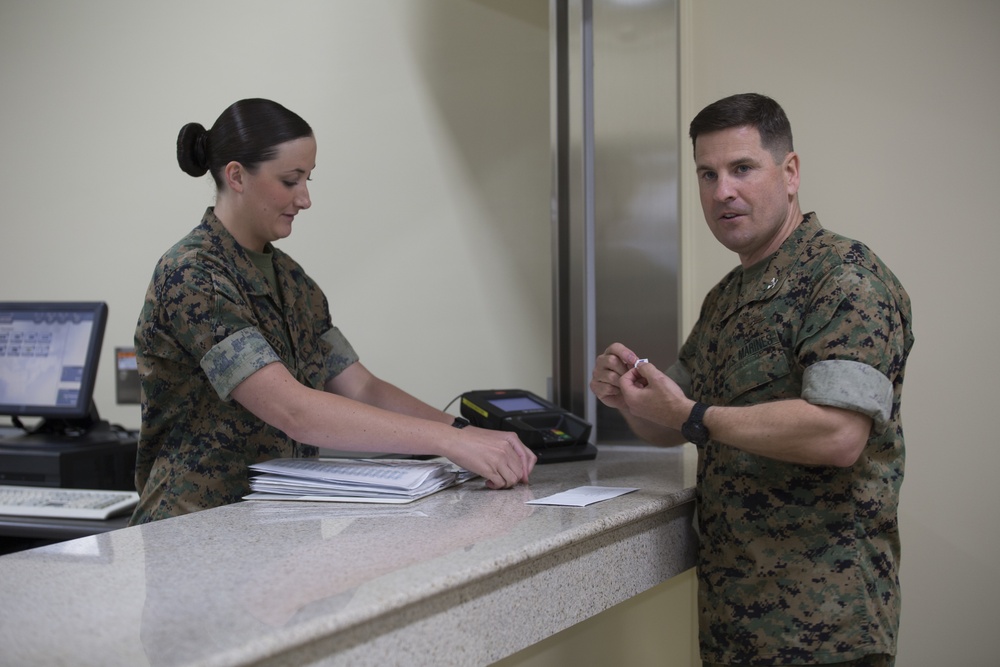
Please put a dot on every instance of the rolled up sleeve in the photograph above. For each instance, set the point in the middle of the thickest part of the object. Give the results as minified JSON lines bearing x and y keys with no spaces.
{"x":236,"y":358}
{"x":851,"y":385}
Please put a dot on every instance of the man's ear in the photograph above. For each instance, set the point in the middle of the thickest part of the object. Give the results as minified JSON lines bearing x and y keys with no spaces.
{"x":234,"y":174}
{"x":791,"y":169}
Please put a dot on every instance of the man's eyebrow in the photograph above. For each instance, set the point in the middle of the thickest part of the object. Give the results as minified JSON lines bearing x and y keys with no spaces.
{"x":746,"y":159}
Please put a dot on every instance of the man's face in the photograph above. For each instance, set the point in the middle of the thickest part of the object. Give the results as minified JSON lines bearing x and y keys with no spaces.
{"x":748,"y":198}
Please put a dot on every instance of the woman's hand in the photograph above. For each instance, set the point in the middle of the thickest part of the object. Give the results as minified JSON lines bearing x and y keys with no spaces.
{"x":498,"y":456}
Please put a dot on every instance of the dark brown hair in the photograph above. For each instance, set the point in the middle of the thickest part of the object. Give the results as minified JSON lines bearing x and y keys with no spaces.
{"x":247,"y":132}
{"x":747,"y":110}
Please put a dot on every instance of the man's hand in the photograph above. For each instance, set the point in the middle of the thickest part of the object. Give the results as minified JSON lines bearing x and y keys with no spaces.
{"x":609,"y":368}
{"x":653,"y":396}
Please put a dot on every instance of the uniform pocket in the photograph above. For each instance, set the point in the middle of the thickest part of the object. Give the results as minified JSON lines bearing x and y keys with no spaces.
{"x":761,"y":361}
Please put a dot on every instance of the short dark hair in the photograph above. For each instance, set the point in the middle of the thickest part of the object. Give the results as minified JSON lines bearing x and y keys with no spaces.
{"x":747,"y":110}
{"x":247,"y":132}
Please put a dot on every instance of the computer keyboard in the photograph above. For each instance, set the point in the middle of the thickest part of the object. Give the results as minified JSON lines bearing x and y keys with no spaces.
{"x":45,"y":501}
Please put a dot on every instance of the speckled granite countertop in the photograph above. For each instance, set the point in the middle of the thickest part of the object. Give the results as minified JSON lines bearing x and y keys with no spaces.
{"x":466,"y":576}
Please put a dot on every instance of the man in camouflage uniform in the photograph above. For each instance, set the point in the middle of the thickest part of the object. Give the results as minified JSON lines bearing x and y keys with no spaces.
{"x":790,"y":385}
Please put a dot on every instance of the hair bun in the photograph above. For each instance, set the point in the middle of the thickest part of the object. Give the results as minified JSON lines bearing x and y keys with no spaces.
{"x":192,"y":149}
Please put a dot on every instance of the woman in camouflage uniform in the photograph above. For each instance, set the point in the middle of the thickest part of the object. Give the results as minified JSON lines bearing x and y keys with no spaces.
{"x":238,"y":356}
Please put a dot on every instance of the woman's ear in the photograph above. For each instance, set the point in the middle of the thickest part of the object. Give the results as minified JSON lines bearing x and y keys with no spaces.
{"x":234,"y":175}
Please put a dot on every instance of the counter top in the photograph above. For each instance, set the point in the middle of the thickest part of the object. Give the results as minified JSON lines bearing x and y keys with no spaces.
{"x":466,"y":576}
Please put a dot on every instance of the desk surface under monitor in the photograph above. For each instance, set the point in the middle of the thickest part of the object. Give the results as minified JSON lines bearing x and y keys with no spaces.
{"x":108,"y":463}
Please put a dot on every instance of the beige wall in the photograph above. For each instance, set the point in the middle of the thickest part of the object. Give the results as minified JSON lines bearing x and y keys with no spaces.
{"x":429,"y":228}
{"x":894,"y":107}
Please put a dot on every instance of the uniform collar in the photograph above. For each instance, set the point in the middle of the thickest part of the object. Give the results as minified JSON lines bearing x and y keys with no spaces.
{"x":764,"y":279}
{"x":227,"y":246}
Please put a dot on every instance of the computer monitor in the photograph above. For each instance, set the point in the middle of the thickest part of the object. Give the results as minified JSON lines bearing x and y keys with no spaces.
{"x":49,"y":353}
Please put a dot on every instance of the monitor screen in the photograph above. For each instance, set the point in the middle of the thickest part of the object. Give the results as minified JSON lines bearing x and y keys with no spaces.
{"x":48,"y":358}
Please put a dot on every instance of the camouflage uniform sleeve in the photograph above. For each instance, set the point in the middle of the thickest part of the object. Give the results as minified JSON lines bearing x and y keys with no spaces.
{"x":851,"y":385}
{"x":211,"y":321}
{"x":679,"y":373}
{"x":236,"y":358}
{"x":340,"y":354}
{"x":848,"y":342}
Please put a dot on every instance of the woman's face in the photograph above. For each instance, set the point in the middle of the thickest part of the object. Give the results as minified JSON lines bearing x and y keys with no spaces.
{"x":275,"y":193}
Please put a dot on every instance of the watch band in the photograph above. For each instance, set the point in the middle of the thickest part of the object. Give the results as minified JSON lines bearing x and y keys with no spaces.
{"x":697,"y":412}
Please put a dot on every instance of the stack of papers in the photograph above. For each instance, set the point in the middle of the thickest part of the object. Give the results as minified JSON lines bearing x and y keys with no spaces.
{"x":352,"y":480}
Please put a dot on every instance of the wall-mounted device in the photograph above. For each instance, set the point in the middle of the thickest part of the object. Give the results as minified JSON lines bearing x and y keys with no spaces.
{"x":127,"y":389}
{"x":552,"y":433}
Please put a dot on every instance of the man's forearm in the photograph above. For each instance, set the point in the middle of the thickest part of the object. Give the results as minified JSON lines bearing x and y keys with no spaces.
{"x":794,"y":430}
{"x":653,"y":433}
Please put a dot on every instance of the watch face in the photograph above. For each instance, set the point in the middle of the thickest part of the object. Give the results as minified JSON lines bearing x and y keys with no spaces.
{"x":695,"y":432}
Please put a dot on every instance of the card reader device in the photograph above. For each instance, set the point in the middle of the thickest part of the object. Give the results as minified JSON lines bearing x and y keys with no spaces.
{"x":552,"y":433}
